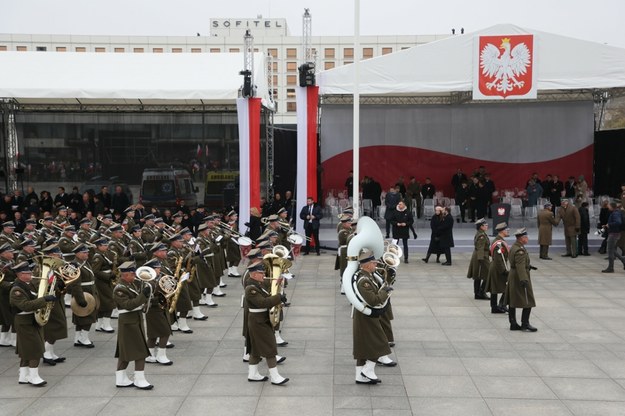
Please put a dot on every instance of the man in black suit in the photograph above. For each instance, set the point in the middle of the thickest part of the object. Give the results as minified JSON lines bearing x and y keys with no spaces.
{"x":311,"y":214}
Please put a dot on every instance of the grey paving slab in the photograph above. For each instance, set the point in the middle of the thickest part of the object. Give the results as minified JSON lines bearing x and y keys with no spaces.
{"x":586,"y":389}
{"x":516,"y":407}
{"x":59,"y":406}
{"x":447,"y":406}
{"x":141,"y":406}
{"x":595,"y":408}
{"x":440,"y":386}
{"x":513,"y":387}
{"x":281,"y":405}
{"x":13,"y":407}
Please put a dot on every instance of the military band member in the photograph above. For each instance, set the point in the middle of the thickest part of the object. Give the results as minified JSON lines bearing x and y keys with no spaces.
{"x":159,"y":229}
{"x":284,"y":228}
{"x":61,"y":217}
{"x":30,"y":344}
{"x":519,"y":290}
{"x":85,"y":233}
{"x":233,"y":254}
{"x":260,"y":330}
{"x":344,"y":233}
{"x":27,"y":254}
{"x":148,"y":231}
{"x":67,"y":243}
{"x":131,"y":344}
{"x":30,"y":230}
{"x":86,"y":284}
{"x":369,"y":339}
{"x":56,"y":327}
{"x":103,"y":265}
{"x":176,"y":223}
{"x":219,"y":259}
{"x":195,"y":291}
{"x":47,"y":230}
{"x":499,"y":268}
{"x":129,"y":218}
{"x":480,"y":260}
{"x":9,"y":236}
{"x":157,"y":322}
{"x":136,"y":249}
{"x":106,"y":221}
{"x":204,"y":260}
{"x":117,"y":243}
{"x":175,"y":257}
{"x":7,"y":334}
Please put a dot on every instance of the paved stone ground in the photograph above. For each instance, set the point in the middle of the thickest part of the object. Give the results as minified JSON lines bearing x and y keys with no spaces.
{"x":455,"y":358}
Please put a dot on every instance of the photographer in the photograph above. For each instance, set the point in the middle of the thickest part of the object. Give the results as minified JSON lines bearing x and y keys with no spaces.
{"x":614,"y":227}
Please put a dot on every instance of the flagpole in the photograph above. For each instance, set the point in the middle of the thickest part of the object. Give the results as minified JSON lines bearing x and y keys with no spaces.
{"x":356,"y":104}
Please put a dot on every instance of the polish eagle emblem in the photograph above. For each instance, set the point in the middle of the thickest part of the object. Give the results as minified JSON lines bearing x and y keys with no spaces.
{"x":506,"y":70}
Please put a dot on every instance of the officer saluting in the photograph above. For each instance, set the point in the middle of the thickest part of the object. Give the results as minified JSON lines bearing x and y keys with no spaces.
{"x":519,"y":290}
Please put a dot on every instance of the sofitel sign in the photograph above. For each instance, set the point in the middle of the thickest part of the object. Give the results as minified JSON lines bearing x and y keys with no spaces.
{"x":246,"y":23}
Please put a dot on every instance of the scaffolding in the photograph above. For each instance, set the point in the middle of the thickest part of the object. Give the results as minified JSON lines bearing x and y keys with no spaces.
{"x":11,"y":148}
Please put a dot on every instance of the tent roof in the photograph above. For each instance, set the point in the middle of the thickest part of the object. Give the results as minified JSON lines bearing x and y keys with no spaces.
{"x":126,"y":78}
{"x":447,"y":65}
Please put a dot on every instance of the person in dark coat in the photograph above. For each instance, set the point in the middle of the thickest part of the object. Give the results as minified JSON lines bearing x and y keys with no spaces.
{"x":462,"y":199}
{"x":130,"y":297}
{"x":428,"y":189}
{"x":30,"y":344}
{"x":604,"y":215}
{"x":434,"y":247}
{"x":483,"y":196}
{"x":255,"y":225}
{"x":45,"y":202}
{"x":446,"y":235}
{"x":119,"y":200}
{"x":392,"y":199}
{"x":376,"y":193}
{"x":311,"y":214}
{"x":519,"y":292}
{"x":582,"y":237}
{"x":402,"y":220}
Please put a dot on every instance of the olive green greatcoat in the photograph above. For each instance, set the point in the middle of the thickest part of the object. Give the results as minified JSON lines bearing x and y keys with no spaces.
{"x":131,"y":344}
{"x":545,"y":221}
{"x":102,"y":267}
{"x":67,"y":245}
{"x":137,"y":251}
{"x":260,"y":331}
{"x":517,"y":296}
{"x":30,"y":343}
{"x":56,"y":327}
{"x":78,"y":290}
{"x":6,"y":314}
{"x":369,"y":339}
{"x":498,"y":269}
{"x":157,"y":318}
{"x":343,"y":237}
{"x":480,"y":260}
{"x":204,"y":262}
{"x":570,"y":219}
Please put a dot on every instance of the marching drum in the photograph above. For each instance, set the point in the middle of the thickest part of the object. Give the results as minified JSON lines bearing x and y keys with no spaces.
{"x":296,"y":241}
{"x":245,"y":245}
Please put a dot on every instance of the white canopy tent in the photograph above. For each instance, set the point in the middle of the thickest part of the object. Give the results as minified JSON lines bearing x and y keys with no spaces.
{"x":127,"y":78}
{"x":447,"y":66}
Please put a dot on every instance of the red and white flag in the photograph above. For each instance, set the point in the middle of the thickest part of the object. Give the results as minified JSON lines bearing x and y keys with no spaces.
{"x":307,"y":100}
{"x":248,"y":114}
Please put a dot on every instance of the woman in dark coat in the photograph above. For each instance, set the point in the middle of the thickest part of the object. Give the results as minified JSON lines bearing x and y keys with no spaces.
{"x":446,"y":235}
{"x":402,"y":220}
{"x":434,"y":247}
{"x":255,"y":225}
{"x":46,"y":203}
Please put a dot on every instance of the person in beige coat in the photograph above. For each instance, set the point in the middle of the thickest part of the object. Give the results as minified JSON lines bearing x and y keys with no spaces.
{"x":569,"y":215}
{"x":546,"y":221}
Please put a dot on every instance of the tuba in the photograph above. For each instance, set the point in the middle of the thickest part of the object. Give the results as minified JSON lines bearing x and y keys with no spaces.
{"x":281,"y":251}
{"x":368,"y":235}
{"x":51,"y":269}
{"x":278,"y":265}
{"x":146,"y":275}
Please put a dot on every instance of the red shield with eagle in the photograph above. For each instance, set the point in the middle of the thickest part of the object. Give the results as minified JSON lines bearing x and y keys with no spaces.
{"x":506,"y":66}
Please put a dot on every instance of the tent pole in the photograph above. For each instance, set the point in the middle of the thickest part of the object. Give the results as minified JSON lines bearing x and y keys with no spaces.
{"x":356,"y":103}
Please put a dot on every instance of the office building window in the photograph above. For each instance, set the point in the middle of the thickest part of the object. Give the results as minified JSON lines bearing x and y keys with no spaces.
{"x":348,"y":62}
{"x":176,"y":50}
{"x":21,"y":48}
{"x":119,"y":50}
{"x":255,"y":49}
{"x":291,"y":66}
{"x":3,"y":48}
{"x":348,"y":52}
{"x":405,"y":47}
{"x":274,"y":66}
{"x":100,"y":49}
{"x":273,"y":52}
{"x":138,"y":50}
{"x":157,"y":50}
{"x":386,"y":51}
{"x":81,"y":49}
{"x":215,"y":50}
{"x":290,"y":93}
{"x":61,"y":49}
{"x":291,"y":80}
{"x":196,"y":50}
{"x":275,"y":80}
{"x":41,"y":49}
{"x":291,"y":52}
{"x":367,"y":53}
{"x":328,"y":53}
{"x":291,"y":107}
{"x":328,"y":65}
{"x":234,"y":50}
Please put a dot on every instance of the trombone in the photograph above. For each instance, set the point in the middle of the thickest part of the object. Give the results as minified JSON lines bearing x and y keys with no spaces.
{"x":54,"y":225}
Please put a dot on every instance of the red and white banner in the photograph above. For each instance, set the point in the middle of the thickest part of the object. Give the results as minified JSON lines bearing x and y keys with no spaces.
{"x":248,"y":114}
{"x":307,"y":100}
{"x":504,"y":67}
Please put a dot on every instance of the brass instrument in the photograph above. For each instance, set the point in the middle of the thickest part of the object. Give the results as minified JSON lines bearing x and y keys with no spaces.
{"x":226,"y":228}
{"x":114,"y":269}
{"x":168,"y":285}
{"x":281,"y":251}
{"x":146,"y":274}
{"x":286,"y":227}
{"x":278,"y":266}
{"x":54,"y":225}
{"x":51,"y":267}
{"x":176,"y":295}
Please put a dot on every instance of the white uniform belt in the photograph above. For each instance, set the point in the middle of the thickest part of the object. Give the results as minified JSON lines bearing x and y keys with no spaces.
{"x":26,"y":313}
{"x":257,"y":310}
{"x":209,"y":255}
{"x":87,"y":283}
{"x":138,"y":308}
